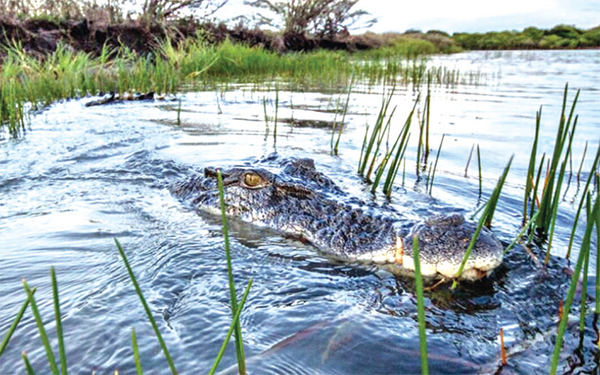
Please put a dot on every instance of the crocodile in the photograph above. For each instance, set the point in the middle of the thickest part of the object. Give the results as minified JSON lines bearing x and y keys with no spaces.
{"x":292,"y":196}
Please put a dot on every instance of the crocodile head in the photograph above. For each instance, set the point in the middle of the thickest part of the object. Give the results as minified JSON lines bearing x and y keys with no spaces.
{"x":297,"y":199}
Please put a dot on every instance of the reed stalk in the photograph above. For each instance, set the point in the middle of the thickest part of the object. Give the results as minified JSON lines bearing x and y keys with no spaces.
{"x":557,"y":197}
{"x":486,"y":217}
{"x":372,"y":143}
{"x":136,"y":353}
{"x":420,"y":308}
{"x":28,"y":366}
{"x":535,"y":198}
{"x":582,"y":160}
{"x":437,"y":157}
{"x":584,"y":279}
{"x":341,"y":127}
{"x":239,"y":345}
{"x":531,"y":169}
{"x":527,"y":226}
{"x":469,"y":161}
{"x":479,"y":167}
{"x":266,"y":117}
{"x":585,"y":190}
{"x":423,"y":145}
{"x":15,"y":323}
{"x":234,"y":323}
{"x":597,"y":295}
{"x":550,"y":194}
{"x":59,"y":328}
{"x":585,"y":248}
{"x":276,"y":114}
{"x":40,"y":324}
{"x":400,"y":148}
{"x":146,"y":308}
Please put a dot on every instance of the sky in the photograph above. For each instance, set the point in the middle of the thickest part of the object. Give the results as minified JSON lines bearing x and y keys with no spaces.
{"x":465,"y":15}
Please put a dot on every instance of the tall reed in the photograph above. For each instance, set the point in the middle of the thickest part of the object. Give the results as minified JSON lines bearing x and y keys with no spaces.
{"x":372,"y":143}
{"x":335,"y":147}
{"x":583,"y":194}
{"x":486,"y":219}
{"x":239,"y":344}
{"x":551,"y":193}
{"x":420,"y":308}
{"x":585,"y":249}
{"x":138,"y":290}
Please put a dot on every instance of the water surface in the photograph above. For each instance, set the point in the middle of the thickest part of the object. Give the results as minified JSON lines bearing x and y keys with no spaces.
{"x":83,"y":175}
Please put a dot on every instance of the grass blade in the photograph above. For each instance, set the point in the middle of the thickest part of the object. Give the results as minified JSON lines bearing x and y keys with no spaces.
{"x":136,"y":353}
{"x":529,"y":225}
{"x":420,"y":308}
{"x":479,"y":166}
{"x":59,"y":328}
{"x":486,"y":217}
{"x":436,"y":162}
{"x":585,"y":189}
{"x":27,"y":364}
{"x":42,"y":330}
{"x":584,"y":280}
{"x":239,"y":345}
{"x":597,"y":218}
{"x":585,"y":247}
{"x":276,"y":113}
{"x":147,"y":309}
{"x":337,"y":142}
{"x":532,"y":158}
{"x":15,"y":323}
{"x":234,"y":323}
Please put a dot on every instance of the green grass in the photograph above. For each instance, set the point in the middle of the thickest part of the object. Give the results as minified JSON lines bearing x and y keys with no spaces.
{"x":593,"y":213}
{"x":485,"y":219}
{"x":420,"y":308}
{"x":30,"y":83}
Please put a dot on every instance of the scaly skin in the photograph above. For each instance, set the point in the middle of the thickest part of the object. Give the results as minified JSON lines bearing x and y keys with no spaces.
{"x":301,"y":201}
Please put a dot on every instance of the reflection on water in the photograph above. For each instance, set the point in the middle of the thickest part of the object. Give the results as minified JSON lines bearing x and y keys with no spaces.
{"x":81,"y":176}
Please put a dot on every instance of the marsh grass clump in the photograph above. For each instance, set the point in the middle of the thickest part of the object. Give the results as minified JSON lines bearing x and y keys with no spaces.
{"x":543,"y":195}
{"x":372,"y":144}
{"x":30,"y":82}
{"x":582,"y":264}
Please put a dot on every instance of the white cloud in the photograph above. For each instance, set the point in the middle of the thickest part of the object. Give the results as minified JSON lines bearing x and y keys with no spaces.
{"x":466,"y":15}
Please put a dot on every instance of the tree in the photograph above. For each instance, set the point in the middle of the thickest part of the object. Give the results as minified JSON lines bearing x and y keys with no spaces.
{"x":164,"y":9}
{"x":319,"y":17}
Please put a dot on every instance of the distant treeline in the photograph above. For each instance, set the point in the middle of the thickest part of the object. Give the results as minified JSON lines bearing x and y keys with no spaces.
{"x":559,"y":37}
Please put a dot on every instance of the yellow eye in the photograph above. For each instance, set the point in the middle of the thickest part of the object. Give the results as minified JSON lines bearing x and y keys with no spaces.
{"x":252,"y":180}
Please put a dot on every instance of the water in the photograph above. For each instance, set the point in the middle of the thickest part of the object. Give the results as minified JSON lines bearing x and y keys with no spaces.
{"x":82,"y":176}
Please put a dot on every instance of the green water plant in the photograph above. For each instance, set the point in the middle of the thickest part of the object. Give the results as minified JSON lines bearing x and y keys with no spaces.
{"x":138,"y":290}
{"x":239,"y":345}
{"x":420,"y":308}
{"x":398,"y":149}
{"x":579,"y":208}
{"x":585,"y":249}
{"x":15,"y":323}
{"x":485,"y":219}
{"x":372,"y":143}
{"x":551,"y":193}
{"x":340,"y":127}
{"x":423,"y":145}
{"x":437,"y":157}
{"x":136,"y":353}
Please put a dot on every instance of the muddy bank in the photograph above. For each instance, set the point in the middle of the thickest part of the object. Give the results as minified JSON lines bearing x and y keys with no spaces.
{"x":42,"y":37}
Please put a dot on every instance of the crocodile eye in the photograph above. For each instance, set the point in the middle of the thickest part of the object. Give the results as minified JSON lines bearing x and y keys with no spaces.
{"x":252,"y":180}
